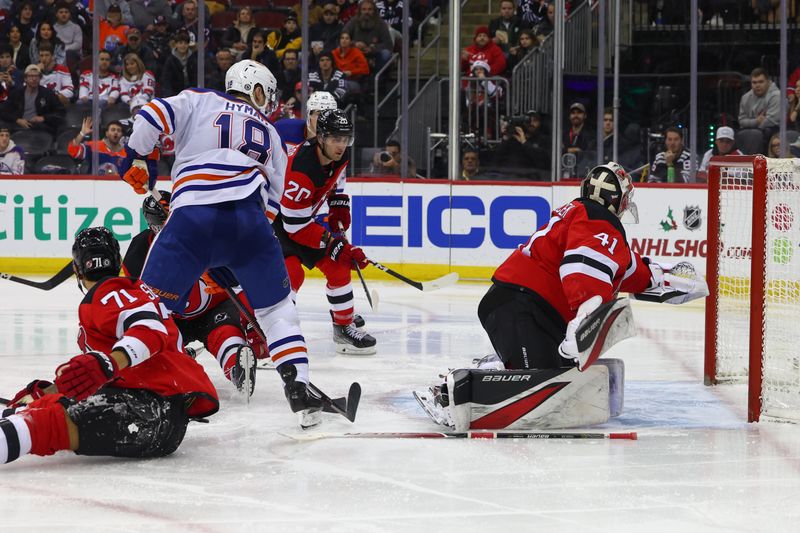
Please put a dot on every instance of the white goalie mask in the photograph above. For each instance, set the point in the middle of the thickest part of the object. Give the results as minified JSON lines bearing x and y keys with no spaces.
{"x":318,"y":101}
{"x":611,"y":186}
{"x":245,"y":76}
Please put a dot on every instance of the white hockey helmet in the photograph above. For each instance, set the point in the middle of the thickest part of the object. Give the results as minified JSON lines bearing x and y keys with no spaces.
{"x":321,"y":100}
{"x":245,"y":75}
{"x":611,"y":186}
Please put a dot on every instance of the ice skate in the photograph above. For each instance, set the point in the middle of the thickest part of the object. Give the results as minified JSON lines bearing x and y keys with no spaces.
{"x":434,"y":402}
{"x":351,"y":341}
{"x":245,"y":365}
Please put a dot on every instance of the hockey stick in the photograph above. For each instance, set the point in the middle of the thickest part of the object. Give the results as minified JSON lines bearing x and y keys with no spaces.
{"x":62,"y":275}
{"x":372,"y":298}
{"x":307,"y":437}
{"x":424,"y":286}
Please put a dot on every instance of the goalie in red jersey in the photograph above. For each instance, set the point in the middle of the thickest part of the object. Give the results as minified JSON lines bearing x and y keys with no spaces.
{"x":132,"y":391}
{"x":553,"y":306}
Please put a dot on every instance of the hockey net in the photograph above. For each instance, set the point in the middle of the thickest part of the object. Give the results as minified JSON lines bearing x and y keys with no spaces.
{"x":753,"y":273}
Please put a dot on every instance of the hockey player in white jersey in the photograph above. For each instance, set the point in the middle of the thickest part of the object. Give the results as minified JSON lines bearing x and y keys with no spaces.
{"x":229,"y":164}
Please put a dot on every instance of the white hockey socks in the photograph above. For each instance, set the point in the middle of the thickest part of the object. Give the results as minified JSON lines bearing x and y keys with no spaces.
{"x":15,"y":438}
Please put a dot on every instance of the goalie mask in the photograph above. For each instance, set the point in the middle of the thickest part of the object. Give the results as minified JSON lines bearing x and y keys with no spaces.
{"x":244,"y":76}
{"x":610,"y":186}
{"x":155,"y":212}
{"x":95,"y":254}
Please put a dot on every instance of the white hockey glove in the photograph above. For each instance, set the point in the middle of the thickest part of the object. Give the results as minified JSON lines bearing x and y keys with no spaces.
{"x":568,"y":349}
{"x":676,"y":284}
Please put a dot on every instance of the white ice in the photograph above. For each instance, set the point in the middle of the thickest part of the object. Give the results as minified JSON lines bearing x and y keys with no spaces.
{"x":697,"y":465}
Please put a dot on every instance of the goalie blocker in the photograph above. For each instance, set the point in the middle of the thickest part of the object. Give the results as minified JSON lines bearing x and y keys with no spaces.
{"x":527,"y":399}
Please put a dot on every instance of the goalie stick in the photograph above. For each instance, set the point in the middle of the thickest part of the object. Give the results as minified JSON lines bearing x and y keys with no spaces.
{"x":345,"y":407}
{"x":62,"y":275}
{"x":424,"y":286}
{"x":307,"y":437}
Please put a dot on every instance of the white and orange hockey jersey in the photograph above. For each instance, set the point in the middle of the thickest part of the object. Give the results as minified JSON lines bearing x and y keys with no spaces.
{"x":145,"y":85}
{"x":225,"y":149}
{"x":108,"y":86}
{"x":59,"y":80}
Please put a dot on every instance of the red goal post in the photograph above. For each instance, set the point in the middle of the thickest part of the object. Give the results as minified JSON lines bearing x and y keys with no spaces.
{"x":753,"y":273}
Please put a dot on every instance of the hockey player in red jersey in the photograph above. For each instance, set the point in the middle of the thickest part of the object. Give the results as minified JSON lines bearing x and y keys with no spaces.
{"x":132,"y":391}
{"x":209,"y":317}
{"x":565,"y":277}
{"x":316,"y":174}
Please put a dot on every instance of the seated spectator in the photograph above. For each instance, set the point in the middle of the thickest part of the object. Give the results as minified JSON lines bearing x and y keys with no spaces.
{"x":158,"y":40}
{"x":519,"y":152}
{"x":348,"y":9}
{"x":526,"y":44}
{"x":484,"y":48}
{"x":391,"y":12}
{"x":102,"y":7}
{"x":608,"y":135}
{"x":289,"y":75}
{"x":12,"y":157}
{"x":504,"y":30}
{"x":25,"y":22}
{"x":794,"y":107}
{"x":389,"y":162}
{"x":328,"y":78}
{"x":110,"y":149}
{"x":258,"y":51}
{"x":673,"y":164}
{"x":351,"y":61}
{"x":237,"y":37}
{"x":286,"y":38}
{"x":136,"y":80}
{"x":46,"y":112}
{"x":577,"y":137}
{"x":108,"y":82}
{"x":760,"y":107}
{"x":470,"y":165}
{"x":774,"y":147}
{"x":482,"y":98}
{"x":45,"y":34}
{"x":180,"y":69}
{"x":531,"y":12}
{"x":54,"y":76}
{"x":215,"y":73}
{"x":290,"y":105}
{"x":724,"y":144}
{"x":68,"y":32}
{"x":113,"y":32}
{"x":144,"y":12}
{"x":135,"y":46}
{"x":370,"y":34}
{"x":189,"y":22}
{"x":20,"y":51}
{"x":10,"y":76}
{"x":546,"y":26}
{"x":324,"y":35}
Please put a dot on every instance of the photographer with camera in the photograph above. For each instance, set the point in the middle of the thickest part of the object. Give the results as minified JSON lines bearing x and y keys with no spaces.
{"x":523,"y":147}
{"x":388,"y":162}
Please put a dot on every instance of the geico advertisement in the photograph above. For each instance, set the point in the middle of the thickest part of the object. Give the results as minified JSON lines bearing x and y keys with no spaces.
{"x":417,"y":222}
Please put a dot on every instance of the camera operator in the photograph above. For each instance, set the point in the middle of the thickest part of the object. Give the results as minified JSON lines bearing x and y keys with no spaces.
{"x":387,"y":162}
{"x":522,"y":147}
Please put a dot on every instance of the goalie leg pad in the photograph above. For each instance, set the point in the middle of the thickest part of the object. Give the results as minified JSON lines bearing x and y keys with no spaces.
{"x":528,"y":399}
{"x":129,"y":423}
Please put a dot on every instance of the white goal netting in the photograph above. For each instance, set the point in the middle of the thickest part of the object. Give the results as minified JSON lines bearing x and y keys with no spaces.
{"x":780,"y":297}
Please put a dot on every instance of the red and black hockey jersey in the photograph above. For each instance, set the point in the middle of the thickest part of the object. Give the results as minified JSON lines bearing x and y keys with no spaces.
{"x":124,"y":314}
{"x":581,"y":252}
{"x":307,"y":186}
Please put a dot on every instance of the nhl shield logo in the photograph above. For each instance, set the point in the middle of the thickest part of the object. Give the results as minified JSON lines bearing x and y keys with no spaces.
{"x":692,"y":217}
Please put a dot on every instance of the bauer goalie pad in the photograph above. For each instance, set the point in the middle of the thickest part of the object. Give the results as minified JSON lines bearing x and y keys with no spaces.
{"x":607,"y":325}
{"x":525,"y":399}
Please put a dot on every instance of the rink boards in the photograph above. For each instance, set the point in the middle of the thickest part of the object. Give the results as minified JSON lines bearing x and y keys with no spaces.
{"x":422,"y":228}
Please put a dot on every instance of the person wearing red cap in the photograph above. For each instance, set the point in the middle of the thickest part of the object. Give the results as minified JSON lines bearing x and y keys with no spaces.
{"x":484,"y":46}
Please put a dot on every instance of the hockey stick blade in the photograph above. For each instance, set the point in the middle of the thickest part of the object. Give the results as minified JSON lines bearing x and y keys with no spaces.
{"x":4,"y":401}
{"x":60,"y":277}
{"x":425,"y":286}
{"x":463,"y":435}
{"x":353,"y":398}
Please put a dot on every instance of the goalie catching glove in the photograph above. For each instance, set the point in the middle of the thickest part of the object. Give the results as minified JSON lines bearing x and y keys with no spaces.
{"x":673,"y":284}
{"x":82,"y":375}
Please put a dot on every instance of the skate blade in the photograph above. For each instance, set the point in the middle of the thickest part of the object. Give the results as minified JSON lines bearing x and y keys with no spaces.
{"x":309,"y":418}
{"x":349,"y":349}
{"x":434,"y":412}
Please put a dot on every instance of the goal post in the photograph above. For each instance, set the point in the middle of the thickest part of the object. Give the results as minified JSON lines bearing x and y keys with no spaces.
{"x":753,"y":272}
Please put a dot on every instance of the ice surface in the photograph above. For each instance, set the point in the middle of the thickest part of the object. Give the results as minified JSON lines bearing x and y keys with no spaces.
{"x":697,"y":465}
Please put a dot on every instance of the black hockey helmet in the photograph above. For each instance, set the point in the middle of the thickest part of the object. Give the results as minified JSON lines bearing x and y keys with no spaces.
{"x":334,"y":122}
{"x":95,"y":254}
{"x":610,"y":186}
{"x":155,"y":212}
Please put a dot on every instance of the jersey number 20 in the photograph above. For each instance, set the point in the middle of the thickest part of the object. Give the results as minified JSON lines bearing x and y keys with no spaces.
{"x":255,"y":136}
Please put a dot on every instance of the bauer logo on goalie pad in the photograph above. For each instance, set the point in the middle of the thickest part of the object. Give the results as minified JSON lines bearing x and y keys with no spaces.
{"x":506,"y":377}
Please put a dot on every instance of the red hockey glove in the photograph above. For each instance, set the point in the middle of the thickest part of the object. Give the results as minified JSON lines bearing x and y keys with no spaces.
{"x":340,"y":250}
{"x":82,"y":375}
{"x":339,"y":214}
{"x":254,"y":340}
{"x":33,"y":391}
